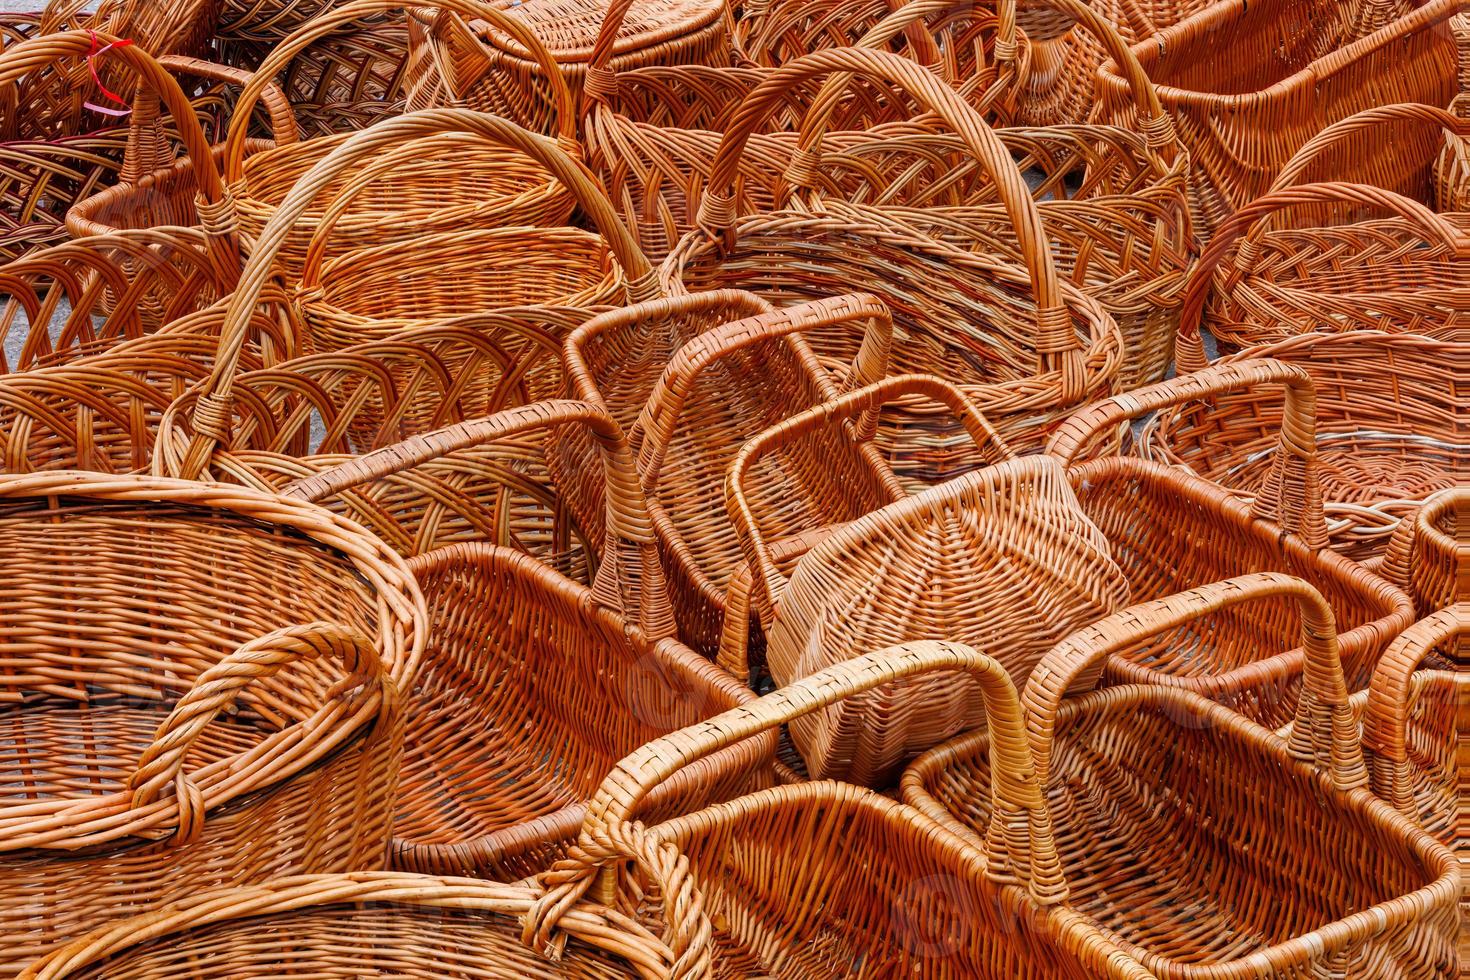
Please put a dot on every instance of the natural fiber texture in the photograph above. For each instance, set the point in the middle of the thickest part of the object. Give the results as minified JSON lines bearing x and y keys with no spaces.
{"x":81,"y":298}
{"x":1171,"y":530}
{"x":478,"y":66}
{"x":175,"y":720}
{"x":447,"y":186}
{"x":1414,"y":730}
{"x":1390,"y":428}
{"x":1452,"y":169}
{"x":1249,"y":81}
{"x":1429,"y":553}
{"x":691,"y":378}
{"x":381,"y":924}
{"x":1002,"y":555}
{"x":266,"y":21}
{"x":1295,"y":872}
{"x":533,"y":686}
{"x":782,"y":891}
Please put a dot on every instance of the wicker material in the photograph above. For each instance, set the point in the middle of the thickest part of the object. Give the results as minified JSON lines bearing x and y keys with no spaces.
{"x":1033,"y":569}
{"x":1044,"y":346}
{"x":1249,"y":81}
{"x":691,"y":378}
{"x":1172,"y":530}
{"x":1452,"y":169}
{"x":81,"y":298}
{"x":534,"y":686}
{"x":1306,"y":874}
{"x":383,"y":924}
{"x":783,"y":892}
{"x":1390,"y":428}
{"x":175,"y":721}
{"x":480,"y":67}
{"x":448,"y":188}
{"x":1429,"y":553}
{"x":267,"y":21}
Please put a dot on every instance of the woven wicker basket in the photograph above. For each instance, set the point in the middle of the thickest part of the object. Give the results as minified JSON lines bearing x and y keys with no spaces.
{"x":534,"y":686}
{"x":1429,"y":553}
{"x":1249,"y":81}
{"x":446,"y":189}
{"x":381,"y":924}
{"x":1034,"y":569}
{"x":785,"y":896}
{"x":1320,"y":877}
{"x":478,"y":66}
{"x":1452,"y":169}
{"x":1389,"y":429}
{"x":81,"y":298}
{"x":1172,"y":530}
{"x":176,"y":720}
{"x":691,"y":378}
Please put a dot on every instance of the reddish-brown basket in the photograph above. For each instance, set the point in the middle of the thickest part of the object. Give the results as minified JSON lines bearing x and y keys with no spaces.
{"x":533,"y":686}
{"x":1429,"y":553}
{"x":175,"y":719}
{"x":1172,"y":530}
{"x":1307,"y":872}
{"x":1001,"y":555}
{"x":826,"y":879}
{"x":1249,"y":81}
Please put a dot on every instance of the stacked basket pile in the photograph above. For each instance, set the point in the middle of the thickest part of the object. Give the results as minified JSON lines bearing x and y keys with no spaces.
{"x":682,"y":489}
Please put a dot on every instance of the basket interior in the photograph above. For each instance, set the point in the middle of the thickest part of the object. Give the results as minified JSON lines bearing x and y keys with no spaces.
{"x":114,"y":609}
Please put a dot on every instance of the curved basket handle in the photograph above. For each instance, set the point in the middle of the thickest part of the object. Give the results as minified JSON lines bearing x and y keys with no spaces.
{"x":1253,"y":218}
{"x":770,"y":583}
{"x":1386,"y":719}
{"x":666,"y":403}
{"x":1324,"y":733}
{"x":326,"y":23}
{"x":1402,"y":553}
{"x":630,"y":578}
{"x":213,"y":407}
{"x":1056,"y":340}
{"x":1020,"y":843}
{"x":162,"y":762}
{"x":277,"y":106}
{"x":1359,"y":123}
{"x":214,"y":209}
{"x":1291,"y":494}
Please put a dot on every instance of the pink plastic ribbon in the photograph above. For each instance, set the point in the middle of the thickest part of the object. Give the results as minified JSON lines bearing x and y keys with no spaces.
{"x":92,"y":57}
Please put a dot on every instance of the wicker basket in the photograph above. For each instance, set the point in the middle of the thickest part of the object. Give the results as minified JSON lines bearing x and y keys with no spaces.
{"x":176,"y":720}
{"x":1249,"y":81}
{"x":448,"y":188}
{"x":1034,"y":569}
{"x":1172,"y":530}
{"x":1311,"y":876}
{"x":534,"y":686}
{"x":785,"y":896}
{"x":691,"y":378}
{"x":1429,"y":553}
{"x":478,"y":66}
{"x":1452,"y":169}
{"x":1389,"y":428}
{"x":1044,"y":347}
{"x":385,"y":924}
{"x":81,"y":298}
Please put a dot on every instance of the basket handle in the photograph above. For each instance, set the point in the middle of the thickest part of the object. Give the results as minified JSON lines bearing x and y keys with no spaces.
{"x":1398,"y":560}
{"x":1324,"y":733}
{"x":1359,"y":123}
{"x":214,"y":210}
{"x":284,"y":130}
{"x":1291,"y":496}
{"x":1386,"y":719}
{"x":666,"y":403}
{"x":1020,"y":843}
{"x":333,"y":19}
{"x":162,"y":762}
{"x":1056,"y":341}
{"x":1252,"y":218}
{"x":1460,"y":28}
{"x":213,"y":407}
{"x":630,"y":578}
{"x":770,"y":583}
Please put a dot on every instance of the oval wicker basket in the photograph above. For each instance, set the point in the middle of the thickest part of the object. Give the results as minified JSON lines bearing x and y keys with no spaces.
{"x":175,"y":720}
{"x":1321,"y":877}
